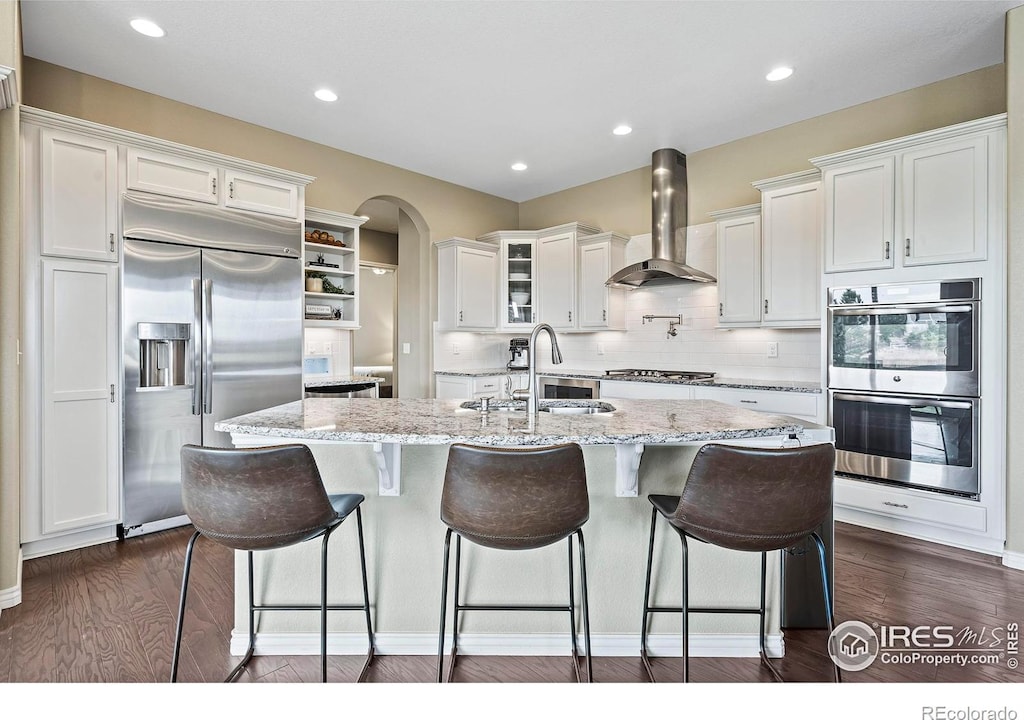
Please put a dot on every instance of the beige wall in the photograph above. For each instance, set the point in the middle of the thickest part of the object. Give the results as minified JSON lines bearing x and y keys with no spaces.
{"x":10,"y":312}
{"x":720,"y":177}
{"x":1015,"y":279}
{"x":379,"y":247}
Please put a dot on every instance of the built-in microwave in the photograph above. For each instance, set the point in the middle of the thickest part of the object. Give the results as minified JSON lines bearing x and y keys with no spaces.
{"x":924,"y":442}
{"x":906,"y":338}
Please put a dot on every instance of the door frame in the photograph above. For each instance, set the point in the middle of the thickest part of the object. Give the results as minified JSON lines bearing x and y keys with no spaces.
{"x":394,"y":335}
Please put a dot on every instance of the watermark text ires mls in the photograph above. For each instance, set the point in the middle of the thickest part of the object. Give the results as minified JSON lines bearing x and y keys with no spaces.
{"x":855,"y":645}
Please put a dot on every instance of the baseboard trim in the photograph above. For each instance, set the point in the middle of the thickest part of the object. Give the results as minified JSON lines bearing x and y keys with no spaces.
{"x":521,"y":644}
{"x":9,"y":597}
{"x":1014,"y":560}
{"x":920,"y":531}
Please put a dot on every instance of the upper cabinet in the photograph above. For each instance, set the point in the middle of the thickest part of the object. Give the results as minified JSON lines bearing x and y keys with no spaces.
{"x":556,"y":280}
{"x":156,"y":172}
{"x":600,"y":307}
{"x":517,"y":284}
{"x":467,"y":285}
{"x":791,"y":250}
{"x":739,"y":265}
{"x":330,"y":264}
{"x":925,"y":199}
{"x":270,"y":196}
{"x":769,"y":256}
{"x":78,"y":195}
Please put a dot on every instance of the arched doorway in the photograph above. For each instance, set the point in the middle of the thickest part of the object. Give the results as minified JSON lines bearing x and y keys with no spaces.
{"x":396,"y":237}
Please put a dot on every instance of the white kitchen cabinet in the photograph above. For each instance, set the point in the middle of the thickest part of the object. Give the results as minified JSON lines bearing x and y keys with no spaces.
{"x":516,"y":286}
{"x":163,"y":174}
{"x":80,"y":440}
{"x":924,"y":199}
{"x":317,"y":261}
{"x":556,"y":280}
{"x":645,"y":390}
{"x":791,"y":233}
{"x":600,"y":307}
{"x":739,"y":266}
{"x":258,"y":193}
{"x":78,"y":198}
{"x":461,"y":387}
{"x":802,"y":405}
{"x":467,"y":274}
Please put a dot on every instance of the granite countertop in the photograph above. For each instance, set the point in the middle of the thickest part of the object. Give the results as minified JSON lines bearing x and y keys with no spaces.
{"x":328,"y":380}
{"x":721,"y":382}
{"x":440,"y":422}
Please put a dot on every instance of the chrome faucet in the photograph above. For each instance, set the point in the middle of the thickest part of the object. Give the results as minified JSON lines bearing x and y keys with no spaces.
{"x":531,"y":394}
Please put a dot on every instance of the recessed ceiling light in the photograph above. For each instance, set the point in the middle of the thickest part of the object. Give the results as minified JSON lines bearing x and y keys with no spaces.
{"x":147,"y":28}
{"x":779,"y":73}
{"x":519,"y":166}
{"x":325,"y":95}
{"x":622,"y":130}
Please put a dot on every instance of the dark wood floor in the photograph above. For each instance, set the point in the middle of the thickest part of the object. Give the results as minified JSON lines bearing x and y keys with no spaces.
{"x":106,"y":614}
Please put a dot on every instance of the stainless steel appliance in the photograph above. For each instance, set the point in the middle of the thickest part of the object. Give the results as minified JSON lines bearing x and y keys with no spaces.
{"x":343,"y":390}
{"x":211,"y":328}
{"x":518,"y":350}
{"x":667,"y":374}
{"x":906,"y":338}
{"x":563,"y":388}
{"x":904,"y":380}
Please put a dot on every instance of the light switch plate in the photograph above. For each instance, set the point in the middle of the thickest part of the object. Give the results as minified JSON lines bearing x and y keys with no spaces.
{"x":328,"y":348}
{"x":311,"y":348}
{"x":455,"y":349}
{"x":406,"y":348}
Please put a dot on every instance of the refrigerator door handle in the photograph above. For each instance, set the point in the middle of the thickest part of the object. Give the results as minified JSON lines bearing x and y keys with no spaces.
{"x":208,"y":346}
{"x":197,"y":352}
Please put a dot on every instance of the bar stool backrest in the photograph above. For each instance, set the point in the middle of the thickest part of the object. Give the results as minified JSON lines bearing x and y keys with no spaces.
{"x":254,"y":499}
{"x":756,"y":499}
{"x":515,"y":499}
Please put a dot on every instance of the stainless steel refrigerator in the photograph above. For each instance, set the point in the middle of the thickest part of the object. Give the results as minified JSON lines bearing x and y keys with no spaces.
{"x":211,"y":312}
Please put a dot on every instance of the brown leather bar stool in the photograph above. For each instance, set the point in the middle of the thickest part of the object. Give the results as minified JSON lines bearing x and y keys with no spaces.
{"x":750,"y":499}
{"x":262,"y":499}
{"x":515,"y":499}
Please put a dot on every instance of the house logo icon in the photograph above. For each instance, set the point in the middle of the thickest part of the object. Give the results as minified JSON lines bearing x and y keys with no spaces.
{"x":853,"y":645}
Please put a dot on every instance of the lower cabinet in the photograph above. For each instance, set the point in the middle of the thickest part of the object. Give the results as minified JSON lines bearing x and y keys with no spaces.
{"x":803,"y":406}
{"x":645,"y":390}
{"x":460,"y":387}
{"x":80,"y":440}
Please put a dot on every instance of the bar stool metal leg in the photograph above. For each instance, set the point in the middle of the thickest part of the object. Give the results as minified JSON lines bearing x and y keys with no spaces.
{"x":685,"y":608}
{"x":323,"y":608}
{"x":457,"y":607}
{"x":647,"y":599}
{"x":444,"y":604}
{"x":572,"y":616}
{"x":371,"y":651}
{"x":586,"y":608}
{"x":829,"y":618}
{"x":181,"y":606}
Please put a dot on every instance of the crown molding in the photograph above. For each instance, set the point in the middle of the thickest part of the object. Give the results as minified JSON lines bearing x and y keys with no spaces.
{"x":8,"y":88}
{"x":736,"y":212}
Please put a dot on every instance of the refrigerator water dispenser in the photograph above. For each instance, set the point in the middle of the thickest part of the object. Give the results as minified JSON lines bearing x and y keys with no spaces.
{"x":162,"y":352}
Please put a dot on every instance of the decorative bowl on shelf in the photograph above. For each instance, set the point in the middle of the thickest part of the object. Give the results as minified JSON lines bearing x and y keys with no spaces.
{"x":520,"y":298}
{"x":519,"y":276}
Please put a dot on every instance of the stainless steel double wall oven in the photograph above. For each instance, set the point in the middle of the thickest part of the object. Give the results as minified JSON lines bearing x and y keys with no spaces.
{"x":904,"y":383}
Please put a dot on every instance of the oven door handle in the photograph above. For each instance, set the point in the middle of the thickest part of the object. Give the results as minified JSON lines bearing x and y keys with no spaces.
{"x":902,"y":310}
{"x":889,"y":400}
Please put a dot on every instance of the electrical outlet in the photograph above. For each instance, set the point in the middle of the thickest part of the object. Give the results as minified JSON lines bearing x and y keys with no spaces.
{"x":773,"y":349}
{"x":328,"y":348}
{"x":406,"y":348}
{"x":455,"y":349}
{"x":600,"y":349}
{"x":311,"y":348}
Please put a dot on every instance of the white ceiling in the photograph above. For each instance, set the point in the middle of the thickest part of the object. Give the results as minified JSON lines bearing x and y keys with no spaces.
{"x":460,"y":90}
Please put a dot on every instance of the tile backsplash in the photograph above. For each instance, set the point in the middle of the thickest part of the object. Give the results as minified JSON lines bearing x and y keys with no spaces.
{"x":698,"y":344}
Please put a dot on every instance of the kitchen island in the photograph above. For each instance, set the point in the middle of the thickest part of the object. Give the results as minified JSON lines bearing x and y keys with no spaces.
{"x":363,"y":445}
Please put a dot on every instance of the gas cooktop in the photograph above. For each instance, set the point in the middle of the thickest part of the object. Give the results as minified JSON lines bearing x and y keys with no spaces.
{"x":667,"y":374}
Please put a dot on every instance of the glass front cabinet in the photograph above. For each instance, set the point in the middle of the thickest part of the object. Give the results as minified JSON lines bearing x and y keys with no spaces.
{"x":518,"y":288}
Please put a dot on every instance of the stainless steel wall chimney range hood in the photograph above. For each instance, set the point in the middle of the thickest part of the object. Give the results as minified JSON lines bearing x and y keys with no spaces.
{"x":668,"y":229}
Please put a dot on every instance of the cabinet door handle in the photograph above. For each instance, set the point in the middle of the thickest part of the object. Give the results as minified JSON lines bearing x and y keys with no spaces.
{"x":906,"y":249}
{"x":604,"y":315}
{"x":570,"y":316}
{"x":896,"y":505}
{"x":231,"y":190}
{"x":721,"y":312}
{"x":766,"y":307}
{"x":749,"y":402}
{"x":886,"y":249}
{"x":112,"y":396}
{"x":214,"y":182}
{"x":460,"y":316}
{"x":112,"y":248}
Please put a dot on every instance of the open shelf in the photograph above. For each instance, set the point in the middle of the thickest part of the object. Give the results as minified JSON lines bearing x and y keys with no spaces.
{"x":329,"y":296}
